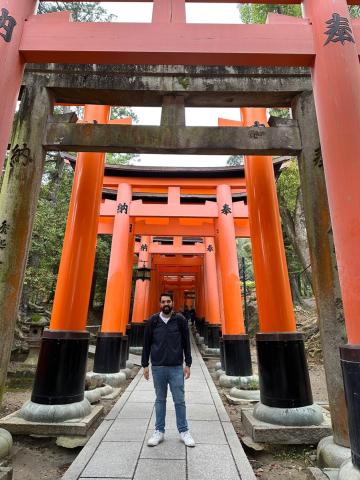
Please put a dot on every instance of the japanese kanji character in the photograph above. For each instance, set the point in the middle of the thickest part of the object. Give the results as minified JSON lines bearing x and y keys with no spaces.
{"x":122,"y":208}
{"x":4,"y":227}
{"x":339,"y":30}
{"x":7,"y":23}
{"x":226,"y":209}
{"x":20,"y":155}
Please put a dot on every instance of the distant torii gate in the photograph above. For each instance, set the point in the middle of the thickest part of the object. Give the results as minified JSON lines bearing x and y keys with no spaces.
{"x":326,"y":40}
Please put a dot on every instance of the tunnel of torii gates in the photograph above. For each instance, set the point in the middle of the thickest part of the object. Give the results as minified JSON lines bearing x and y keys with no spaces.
{"x":326,"y":40}
{"x":182,"y":224}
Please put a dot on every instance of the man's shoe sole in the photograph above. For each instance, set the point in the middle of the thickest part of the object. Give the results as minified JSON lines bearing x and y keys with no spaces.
{"x":155,"y":444}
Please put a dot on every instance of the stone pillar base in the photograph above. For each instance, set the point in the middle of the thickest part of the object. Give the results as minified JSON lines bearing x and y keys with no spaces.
{"x":295,"y":417}
{"x":135,"y":350}
{"x":245,"y":383}
{"x":6,"y":442}
{"x":37,"y":412}
{"x":331,"y":455}
{"x":113,"y":379}
{"x":250,"y":395}
{"x":348,"y":471}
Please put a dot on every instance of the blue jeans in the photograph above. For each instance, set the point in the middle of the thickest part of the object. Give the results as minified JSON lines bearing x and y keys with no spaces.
{"x":174,"y":377}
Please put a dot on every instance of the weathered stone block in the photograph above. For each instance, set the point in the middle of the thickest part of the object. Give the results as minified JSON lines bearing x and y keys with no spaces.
{"x":262,"y":432}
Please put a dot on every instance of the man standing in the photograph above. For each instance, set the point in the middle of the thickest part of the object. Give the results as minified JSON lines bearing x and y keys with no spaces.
{"x":167,"y":341}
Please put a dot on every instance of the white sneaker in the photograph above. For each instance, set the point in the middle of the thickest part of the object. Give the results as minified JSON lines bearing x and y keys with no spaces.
{"x":187,"y":439}
{"x":156,"y":438}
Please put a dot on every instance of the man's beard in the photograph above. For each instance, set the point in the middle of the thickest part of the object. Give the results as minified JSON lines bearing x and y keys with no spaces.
{"x":166,"y":309}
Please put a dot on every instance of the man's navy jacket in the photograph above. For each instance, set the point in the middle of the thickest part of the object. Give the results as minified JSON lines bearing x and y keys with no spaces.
{"x":166,"y":343}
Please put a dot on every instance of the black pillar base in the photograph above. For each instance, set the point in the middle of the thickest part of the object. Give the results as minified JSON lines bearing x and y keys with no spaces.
{"x":124,"y":354}
{"x":213,"y":336}
{"x":206,"y":333}
{"x":222,"y":353}
{"x":136,"y":338}
{"x":237,"y":355}
{"x":197,"y":324}
{"x":107,"y":353}
{"x":61,"y":369}
{"x":350,"y":364}
{"x":283,"y":372}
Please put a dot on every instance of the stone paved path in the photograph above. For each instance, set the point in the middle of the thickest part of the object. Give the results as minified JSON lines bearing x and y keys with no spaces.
{"x":118,"y":449}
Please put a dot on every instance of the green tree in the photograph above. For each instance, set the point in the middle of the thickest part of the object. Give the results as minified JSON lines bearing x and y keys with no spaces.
{"x":235,"y":161}
{"x":251,"y":13}
{"x":81,"y":12}
{"x":52,"y":211}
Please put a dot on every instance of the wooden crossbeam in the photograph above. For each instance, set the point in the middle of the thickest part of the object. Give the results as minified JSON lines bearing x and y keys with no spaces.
{"x":269,"y":2}
{"x":175,"y":140}
{"x":53,"y":38}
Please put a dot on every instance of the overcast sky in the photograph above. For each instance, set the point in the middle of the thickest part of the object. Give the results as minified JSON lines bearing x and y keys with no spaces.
{"x":195,"y":13}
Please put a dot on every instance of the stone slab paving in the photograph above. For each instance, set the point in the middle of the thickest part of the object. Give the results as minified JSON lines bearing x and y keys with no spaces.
{"x":118,"y":448}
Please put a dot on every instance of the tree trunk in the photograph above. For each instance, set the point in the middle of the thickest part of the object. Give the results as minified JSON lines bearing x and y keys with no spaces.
{"x":18,"y":199}
{"x":295,"y":230}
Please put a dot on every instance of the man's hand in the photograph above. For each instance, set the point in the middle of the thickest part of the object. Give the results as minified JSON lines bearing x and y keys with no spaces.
{"x":146,"y":373}
{"x":186,"y":372}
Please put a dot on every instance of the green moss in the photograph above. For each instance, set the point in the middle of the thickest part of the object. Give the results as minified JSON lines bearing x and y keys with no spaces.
{"x":184,"y":82}
{"x":35,"y":317}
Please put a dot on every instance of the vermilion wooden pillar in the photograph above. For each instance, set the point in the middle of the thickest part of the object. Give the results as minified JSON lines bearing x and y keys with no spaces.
{"x":212,"y":294}
{"x":13,"y":14}
{"x":336,"y":80}
{"x":236,"y":342}
{"x":283,"y":372}
{"x":64,"y":347}
{"x":139,"y":306}
{"x":108,"y":347}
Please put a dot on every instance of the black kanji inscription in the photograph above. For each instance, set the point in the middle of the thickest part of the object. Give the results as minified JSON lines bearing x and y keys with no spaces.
{"x":318,"y":161}
{"x":338,"y":30}
{"x":20,"y":155}
{"x":143,"y":247}
{"x":2,"y":243}
{"x":4,"y":227}
{"x":122,"y":208}
{"x":226,"y":209}
{"x":7,"y":23}
{"x":210,"y":248}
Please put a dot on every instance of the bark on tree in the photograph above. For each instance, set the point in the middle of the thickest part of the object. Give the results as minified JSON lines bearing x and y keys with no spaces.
{"x":295,"y":229}
{"x":18,"y":199}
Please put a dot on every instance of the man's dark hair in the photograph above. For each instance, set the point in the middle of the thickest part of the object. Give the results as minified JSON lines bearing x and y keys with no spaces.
{"x":166,"y":294}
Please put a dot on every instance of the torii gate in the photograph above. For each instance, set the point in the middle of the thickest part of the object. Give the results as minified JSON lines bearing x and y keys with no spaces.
{"x":327,"y":41}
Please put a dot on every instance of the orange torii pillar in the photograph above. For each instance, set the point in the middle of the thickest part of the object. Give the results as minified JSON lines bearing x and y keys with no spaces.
{"x":109,"y":346}
{"x":221,"y":299}
{"x":236,"y":342}
{"x":125,"y":317}
{"x":283,"y":371}
{"x":60,"y":375}
{"x":336,"y":80}
{"x":212,"y":294}
{"x":141,"y":286}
